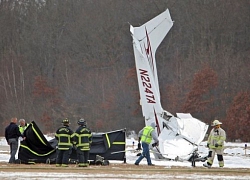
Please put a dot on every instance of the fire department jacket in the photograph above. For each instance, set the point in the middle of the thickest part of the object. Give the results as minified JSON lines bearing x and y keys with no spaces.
{"x":65,"y":137}
{"x":83,"y":138}
{"x":216,"y":136}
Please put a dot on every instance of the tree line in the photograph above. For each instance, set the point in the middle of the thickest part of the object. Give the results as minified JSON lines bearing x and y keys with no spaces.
{"x":74,"y":58}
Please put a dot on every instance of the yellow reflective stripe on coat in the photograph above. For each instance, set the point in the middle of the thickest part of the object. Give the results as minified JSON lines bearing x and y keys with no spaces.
{"x":83,"y":140}
{"x":68,"y":143}
{"x":85,"y":146}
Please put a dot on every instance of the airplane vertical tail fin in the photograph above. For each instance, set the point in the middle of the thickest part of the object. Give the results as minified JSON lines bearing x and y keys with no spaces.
{"x":146,"y":40}
{"x":156,"y":29}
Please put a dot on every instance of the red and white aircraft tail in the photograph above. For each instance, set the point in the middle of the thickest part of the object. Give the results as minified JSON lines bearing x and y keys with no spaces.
{"x":178,"y":136}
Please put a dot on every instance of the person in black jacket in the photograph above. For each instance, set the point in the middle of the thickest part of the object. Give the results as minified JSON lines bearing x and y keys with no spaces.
{"x":12,"y":134}
{"x":83,"y":139}
{"x":65,"y":136}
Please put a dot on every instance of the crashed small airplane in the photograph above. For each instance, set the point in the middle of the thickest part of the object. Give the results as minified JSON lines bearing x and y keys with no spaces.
{"x":178,"y":136}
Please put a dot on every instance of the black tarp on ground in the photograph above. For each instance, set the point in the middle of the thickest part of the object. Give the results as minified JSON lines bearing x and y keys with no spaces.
{"x":37,"y":149}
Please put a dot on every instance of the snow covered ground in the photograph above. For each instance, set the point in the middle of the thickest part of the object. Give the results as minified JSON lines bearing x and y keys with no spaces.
{"x":236,"y":156}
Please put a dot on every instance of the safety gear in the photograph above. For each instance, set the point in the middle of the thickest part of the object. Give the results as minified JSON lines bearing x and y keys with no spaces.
{"x":65,"y":137}
{"x":216,"y":122}
{"x":216,"y":136}
{"x":65,"y":121}
{"x":146,"y":135}
{"x":22,"y":128}
{"x":83,"y":137}
{"x":82,"y":122}
{"x":155,"y":144}
{"x":83,"y":165}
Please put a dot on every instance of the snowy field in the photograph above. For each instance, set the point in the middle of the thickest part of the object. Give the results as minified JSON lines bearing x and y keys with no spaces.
{"x":236,"y":157}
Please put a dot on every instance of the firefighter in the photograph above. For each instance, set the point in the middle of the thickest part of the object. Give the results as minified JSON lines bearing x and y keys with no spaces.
{"x":215,"y":143}
{"x":83,"y":140}
{"x":65,"y":136}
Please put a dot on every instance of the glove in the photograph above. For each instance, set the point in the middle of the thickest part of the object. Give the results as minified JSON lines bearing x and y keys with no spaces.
{"x":208,"y":145}
{"x":155,"y":144}
{"x":139,"y":139}
{"x":216,"y":145}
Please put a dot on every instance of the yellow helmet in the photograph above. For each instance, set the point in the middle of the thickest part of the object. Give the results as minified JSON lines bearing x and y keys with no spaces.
{"x":216,"y":122}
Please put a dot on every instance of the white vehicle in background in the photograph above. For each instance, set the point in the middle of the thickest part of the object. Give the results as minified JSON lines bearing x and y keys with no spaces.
{"x":179,"y":136}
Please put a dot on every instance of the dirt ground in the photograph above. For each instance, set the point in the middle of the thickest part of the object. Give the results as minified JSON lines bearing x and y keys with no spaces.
{"x":122,"y":168}
{"x":119,"y":171}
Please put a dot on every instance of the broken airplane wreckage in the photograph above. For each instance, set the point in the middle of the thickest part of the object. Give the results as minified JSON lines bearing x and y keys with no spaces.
{"x":179,"y":136}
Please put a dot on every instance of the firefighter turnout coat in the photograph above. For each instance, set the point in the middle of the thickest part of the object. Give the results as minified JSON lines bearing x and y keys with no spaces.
{"x":65,"y":137}
{"x":83,"y":138}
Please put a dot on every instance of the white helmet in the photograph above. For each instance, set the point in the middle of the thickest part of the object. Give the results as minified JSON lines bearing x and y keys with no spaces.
{"x":216,"y":122}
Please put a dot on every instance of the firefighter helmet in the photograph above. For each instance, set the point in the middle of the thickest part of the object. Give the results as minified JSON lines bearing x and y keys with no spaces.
{"x":65,"y":121}
{"x":216,"y":122}
{"x":82,"y":122}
